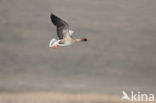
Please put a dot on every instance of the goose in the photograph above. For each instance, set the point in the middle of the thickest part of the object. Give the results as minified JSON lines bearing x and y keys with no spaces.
{"x":64,"y":33}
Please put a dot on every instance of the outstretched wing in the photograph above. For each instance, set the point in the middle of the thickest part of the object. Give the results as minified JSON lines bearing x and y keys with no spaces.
{"x":62,"y":26}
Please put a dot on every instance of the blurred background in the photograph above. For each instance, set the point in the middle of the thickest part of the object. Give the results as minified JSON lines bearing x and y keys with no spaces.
{"x":120,"y":53}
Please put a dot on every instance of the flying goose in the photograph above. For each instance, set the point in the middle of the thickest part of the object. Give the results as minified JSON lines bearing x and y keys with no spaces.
{"x":64,"y":33}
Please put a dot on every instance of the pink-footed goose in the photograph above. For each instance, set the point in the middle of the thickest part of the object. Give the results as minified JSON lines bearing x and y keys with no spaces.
{"x":63,"y":33}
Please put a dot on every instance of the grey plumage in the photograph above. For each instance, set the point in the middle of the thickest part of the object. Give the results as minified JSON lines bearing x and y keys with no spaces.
{"x":63,"y":33}
{"x":62,"y":26}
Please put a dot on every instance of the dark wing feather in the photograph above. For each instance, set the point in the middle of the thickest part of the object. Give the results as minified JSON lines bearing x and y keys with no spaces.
{"x":62,"y":26}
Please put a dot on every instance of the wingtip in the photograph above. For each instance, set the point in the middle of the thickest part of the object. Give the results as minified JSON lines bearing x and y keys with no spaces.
{"x":53,"y":18}
{"x":57,"y":21}
{"x":51,"y":14}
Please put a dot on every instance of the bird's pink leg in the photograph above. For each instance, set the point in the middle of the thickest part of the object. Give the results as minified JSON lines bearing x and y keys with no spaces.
{"x":55,"y":46}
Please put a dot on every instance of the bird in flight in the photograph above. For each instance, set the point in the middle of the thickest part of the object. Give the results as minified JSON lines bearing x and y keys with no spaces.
{"x":64,"y":33}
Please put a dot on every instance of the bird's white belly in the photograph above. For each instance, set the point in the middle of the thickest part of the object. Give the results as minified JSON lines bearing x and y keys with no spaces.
{"x":56,"y":42}
{"x":67,"y":43}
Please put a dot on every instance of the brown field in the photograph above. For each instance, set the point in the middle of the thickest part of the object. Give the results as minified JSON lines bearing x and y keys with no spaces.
{"x":43,"y":97}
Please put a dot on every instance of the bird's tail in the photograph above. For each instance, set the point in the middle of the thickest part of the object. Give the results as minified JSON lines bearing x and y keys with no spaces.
{"x":52,"y":42}
{"x":80,"y":39}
